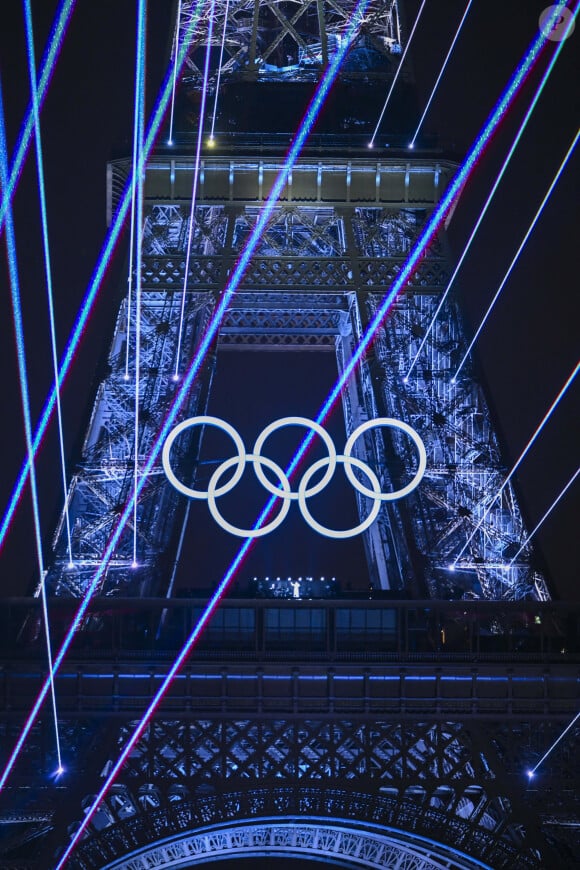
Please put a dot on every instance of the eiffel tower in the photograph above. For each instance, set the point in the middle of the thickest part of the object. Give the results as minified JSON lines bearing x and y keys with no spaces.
{"x":383,"y":718}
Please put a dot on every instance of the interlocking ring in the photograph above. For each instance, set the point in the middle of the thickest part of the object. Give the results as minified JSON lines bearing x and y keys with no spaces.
{"x":285,"y":493}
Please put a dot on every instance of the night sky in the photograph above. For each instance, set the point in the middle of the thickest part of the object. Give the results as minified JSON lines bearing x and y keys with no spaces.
{"x":527,"y":350}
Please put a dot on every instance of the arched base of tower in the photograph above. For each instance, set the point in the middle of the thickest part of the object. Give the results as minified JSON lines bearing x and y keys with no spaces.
{"x":314,"y":823}
{"x":340,"y":841}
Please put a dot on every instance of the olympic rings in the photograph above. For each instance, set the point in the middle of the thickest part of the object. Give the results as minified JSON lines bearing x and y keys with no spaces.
{"x":285,"y":493}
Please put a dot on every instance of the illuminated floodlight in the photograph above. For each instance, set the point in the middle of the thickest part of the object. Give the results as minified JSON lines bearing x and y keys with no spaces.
{"x":530,"y":774}
{"x":170,"y":141}
{"x":211,"y":142}
{"x":451,"y":567}
{"x":411,"y":145}
{"x":432,"y":227}
{"x":370,"y":144}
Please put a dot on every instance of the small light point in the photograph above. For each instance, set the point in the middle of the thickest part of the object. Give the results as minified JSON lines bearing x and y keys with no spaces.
{"x":530,"y":774}
{"x":125,"y":377}
{"x":170,"y":141}
{"x":211,"y":142}
{"x":134,"y":564}
{"x":451,"y":567}
{"x":371,"y":144}
{"x":71,"y":565}
{"x":59,"y":771}
{"x":405,"y":380}
{"x":453,"y":380}
{"x":411,"y":145}
{"x":175,"y":377}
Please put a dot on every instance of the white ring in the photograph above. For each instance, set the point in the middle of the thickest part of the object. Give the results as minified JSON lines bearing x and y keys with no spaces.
{"x":211,"y":421}
{"x":309,"y":424}
{"x":249,"y":533}
{"x":347,"y":533}
{"x":396,"y":424}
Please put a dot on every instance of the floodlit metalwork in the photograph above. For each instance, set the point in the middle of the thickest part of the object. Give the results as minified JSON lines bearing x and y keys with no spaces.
{"x":277,"y":40}
{"x":379,"y":731}
{"x":334,"y":245}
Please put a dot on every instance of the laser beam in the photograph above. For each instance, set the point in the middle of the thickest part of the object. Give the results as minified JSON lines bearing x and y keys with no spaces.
{"x":95,"y":283}
{"x":514,"y":145}
{"x":533,"y":438}
{"x":541,"y":521}
{"x":219,"y":75}
{"x":54,"y":45}
{"x":174,"y":78}
{"x":531,"y":773}
{"x":25,"y":400}
{"x":426,"y":237}
{"x":211,"y":330}
{"x":517,"y":254}
{"x":194,"y":184}
{"x":399,"y":68}
{"x":138,"y":151}
{"x":46,"y":251}
{"x":440,"y":76}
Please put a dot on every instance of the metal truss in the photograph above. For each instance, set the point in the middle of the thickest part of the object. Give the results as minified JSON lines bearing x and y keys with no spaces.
{"x":292,"y":837}
{"x":276,"y":40}
{"x":438,"y":780}
{"x":334,"y":244}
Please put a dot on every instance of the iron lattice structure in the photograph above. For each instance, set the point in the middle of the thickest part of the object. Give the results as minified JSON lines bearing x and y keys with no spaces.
{"x":375,"y":732}
{"x":335,"y":243}
{"x":291,"y":40}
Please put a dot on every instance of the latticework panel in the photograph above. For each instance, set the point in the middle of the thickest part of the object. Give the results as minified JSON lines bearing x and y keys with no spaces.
{"x":276,"y":41}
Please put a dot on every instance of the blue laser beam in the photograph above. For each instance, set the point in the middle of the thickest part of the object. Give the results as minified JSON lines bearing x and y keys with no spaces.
{"x":517,"y":254}
{"x":532,"y":772}
{"x":54,"y":45}
{"x":399,"y":69}
{"x":95,"y":283}
{"x":25,"y":400}
{"x":219,"y":75}
{"x":46,"y":251}
{"x":539,"y":90}
{"x":545,"y":516}
{"x":174,"y":78}
{"x":253,"y":240}
{"x":419,"y":248}
{"x":440,"y":76}
{"x":533,"y":438}
{"x":295,"y":148}
{"x":194,"y":184}
{"x":138,"y":125}
{"x":138,"y":152}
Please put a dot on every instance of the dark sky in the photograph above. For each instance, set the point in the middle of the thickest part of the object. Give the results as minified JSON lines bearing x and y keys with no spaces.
{"x":530,"y":344}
